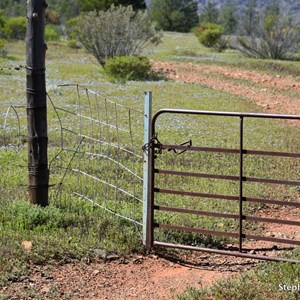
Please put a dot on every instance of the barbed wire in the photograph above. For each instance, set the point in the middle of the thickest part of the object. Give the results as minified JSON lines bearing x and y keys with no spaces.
{"x":13,"y":68}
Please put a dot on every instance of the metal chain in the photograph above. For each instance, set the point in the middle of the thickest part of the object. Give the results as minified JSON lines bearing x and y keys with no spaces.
{"x":154,"y":142}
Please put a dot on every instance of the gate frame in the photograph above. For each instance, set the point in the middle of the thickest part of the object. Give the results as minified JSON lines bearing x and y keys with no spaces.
{"x":149,"y":190}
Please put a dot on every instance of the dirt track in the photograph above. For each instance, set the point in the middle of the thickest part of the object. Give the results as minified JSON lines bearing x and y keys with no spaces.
{"x":275,"y":94}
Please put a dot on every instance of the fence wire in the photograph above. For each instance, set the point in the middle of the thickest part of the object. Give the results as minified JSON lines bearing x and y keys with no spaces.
{"x":94,"y":151}
{"x":100,"y":157}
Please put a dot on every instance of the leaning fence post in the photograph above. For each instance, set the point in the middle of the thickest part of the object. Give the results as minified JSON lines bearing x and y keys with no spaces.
{"x":146,"y":204}
{"x":36,"y":103}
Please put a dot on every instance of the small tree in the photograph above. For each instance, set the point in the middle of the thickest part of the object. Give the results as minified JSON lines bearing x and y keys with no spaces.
{"x":228,"y":18}
{"x":174,"y":15}
{"x":120,"y":31}
{"x":278,"y":38}
{"x":250,"y":18}
{"x":210,"y":13}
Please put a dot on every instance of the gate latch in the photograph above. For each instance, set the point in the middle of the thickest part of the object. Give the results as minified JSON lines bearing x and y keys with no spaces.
{"x":187,"y":143}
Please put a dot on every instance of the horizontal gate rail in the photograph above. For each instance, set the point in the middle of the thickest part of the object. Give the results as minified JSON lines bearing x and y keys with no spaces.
{"x":225,"y":252}
{"x":226,"y":215}
{"x":225,"y":197}
{"x":225,"y":233}
{"x":227,"y":177}
{"x":233,"y":151}
{"x":157,"y":147}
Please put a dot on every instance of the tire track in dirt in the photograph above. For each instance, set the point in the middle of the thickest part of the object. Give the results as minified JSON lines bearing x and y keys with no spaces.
{"x":267,"y":91}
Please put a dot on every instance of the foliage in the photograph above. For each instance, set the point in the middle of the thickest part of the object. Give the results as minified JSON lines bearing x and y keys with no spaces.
{"x":61,"y":10}
{"x":57,"y":233}
{"x":250,"y":18}
{"x":2,"y":48}
{"x":210,"y":13}
{"x":71,"y":28}
{"x":52,"y":17}
{"x":73,"y":44}
{"x":272,"y":9}
{"x":66,"y":9}
{"x":128,"y":68}
{"x":222,"y":44}
{"x":3,"y":21}
{"x":278,"y":38}
{"x":174,"y":15}
{"x":90,"y":5}
{"x":15,"y":28}
{"x":120,"y":31}
{"x":12,"y":8}
{"x":209,"y":34}
{"x":51,"y":33}
{"x":228,"y":18}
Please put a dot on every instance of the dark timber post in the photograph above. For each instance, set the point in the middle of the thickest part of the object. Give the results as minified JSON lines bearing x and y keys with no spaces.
{"x":36,"y":103}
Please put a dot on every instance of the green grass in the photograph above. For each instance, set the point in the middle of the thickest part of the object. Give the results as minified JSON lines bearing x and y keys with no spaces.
{"x":72,"y":228}
{"x":190,"y":50}
{"x":266,"y":281}
{"x":59,"y":233}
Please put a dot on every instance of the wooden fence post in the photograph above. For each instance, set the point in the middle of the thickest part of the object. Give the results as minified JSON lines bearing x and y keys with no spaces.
{"x":36,"y":103}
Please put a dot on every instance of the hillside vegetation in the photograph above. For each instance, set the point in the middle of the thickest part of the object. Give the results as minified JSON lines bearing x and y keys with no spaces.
{"x":71,"y":8}
{"x":291,"y":7}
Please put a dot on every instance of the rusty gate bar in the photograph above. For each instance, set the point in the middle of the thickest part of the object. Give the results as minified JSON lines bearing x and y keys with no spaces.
{"x":241,"y":185}
{"x":154,"y":146}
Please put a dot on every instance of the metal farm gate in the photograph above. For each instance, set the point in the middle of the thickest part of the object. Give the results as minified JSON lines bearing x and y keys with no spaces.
{"x":242,"y":233}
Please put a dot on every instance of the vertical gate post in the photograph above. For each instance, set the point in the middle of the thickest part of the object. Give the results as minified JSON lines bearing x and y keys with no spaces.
{"x":241,"y":184}
{"x":36,"y":103}
{"x":146,"y":178}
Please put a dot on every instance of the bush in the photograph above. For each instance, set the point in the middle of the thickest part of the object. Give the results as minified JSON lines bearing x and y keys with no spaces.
{"x":123,"y":68}
{"x":73,"y":44}
{"x":51,"y":33}
{"x":277,"y":38}
{"x":209,"y":34}
{"x":222,"y":44}
{"x":120,"y":31}
{"x":15,"y":28}
{"x":2,"y":48}
{"x":3,"y":21}
{"x":72,"y":28}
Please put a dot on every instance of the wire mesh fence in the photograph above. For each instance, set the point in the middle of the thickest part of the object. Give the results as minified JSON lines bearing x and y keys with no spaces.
{"x":94,"y":151}
{"x":100,"y":153}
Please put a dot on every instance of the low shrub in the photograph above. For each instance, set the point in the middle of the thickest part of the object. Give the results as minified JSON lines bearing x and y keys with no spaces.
{"x":2,"y":48}
{"x":73,"y":44}
{"x":15,"y":28}
{"x":209,"y":34}
{"x":51,"y":33}
{"x":222,"y":44}
{"x":123,"y":68}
